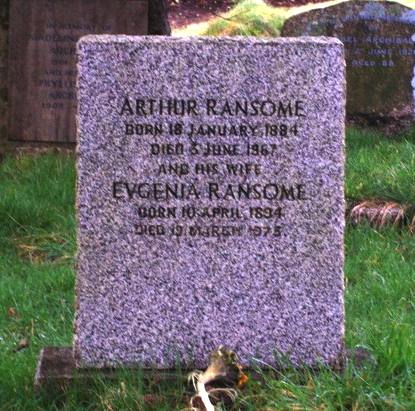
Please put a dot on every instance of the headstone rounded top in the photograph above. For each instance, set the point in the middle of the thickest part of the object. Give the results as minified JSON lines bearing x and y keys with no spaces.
{"x":379,"y":55}
{"x":321,"y":20}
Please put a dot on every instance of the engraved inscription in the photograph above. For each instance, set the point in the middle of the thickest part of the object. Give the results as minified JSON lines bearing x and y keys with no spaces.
{"x":225,"y":206}
{"x":42,"y":78}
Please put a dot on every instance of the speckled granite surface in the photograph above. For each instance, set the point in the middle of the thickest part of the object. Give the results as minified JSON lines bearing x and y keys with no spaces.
{"x":259,"y":267}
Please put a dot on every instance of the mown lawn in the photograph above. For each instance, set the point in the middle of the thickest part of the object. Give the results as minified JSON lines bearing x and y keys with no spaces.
{"x":378,"y":167}
{"x":37,"y":246}
{"x":254,"y":18}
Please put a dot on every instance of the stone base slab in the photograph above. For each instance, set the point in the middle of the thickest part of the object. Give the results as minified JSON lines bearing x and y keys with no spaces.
{"x":56,"y":369}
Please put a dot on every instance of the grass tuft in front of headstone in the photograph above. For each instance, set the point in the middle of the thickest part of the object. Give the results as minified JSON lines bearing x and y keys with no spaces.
{"x":129,"y":390}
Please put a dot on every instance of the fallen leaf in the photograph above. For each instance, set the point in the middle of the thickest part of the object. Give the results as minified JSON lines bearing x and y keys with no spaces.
{"x":23,"y":343}
{"x":151,"y":399}
{"x":310,"y":384}
{"x":243,"y":379}
{"x":11,"y":312}
{"x":288,"y":393}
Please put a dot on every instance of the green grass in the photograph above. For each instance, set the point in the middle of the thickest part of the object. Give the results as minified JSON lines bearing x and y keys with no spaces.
{"x":37,"y":245}
{"x":378,"y":167}
{"x":247,"y":18}
{"x":253,"y":18}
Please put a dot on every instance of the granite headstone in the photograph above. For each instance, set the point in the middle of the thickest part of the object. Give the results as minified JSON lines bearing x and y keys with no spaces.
{"x":42,"y":60}
{"x":210,"y":200}
{"x":379,"y":55}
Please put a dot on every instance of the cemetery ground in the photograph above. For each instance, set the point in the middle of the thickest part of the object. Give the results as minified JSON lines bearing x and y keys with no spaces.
{"x":37,"y":248}
{"x":251,"y":18}
{"x":37,"y":277}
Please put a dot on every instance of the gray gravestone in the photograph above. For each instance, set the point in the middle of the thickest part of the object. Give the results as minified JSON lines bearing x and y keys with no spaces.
{"x":42,"y":61}
{"x":379,"y":56}
{"x":4,"y":30}
{"x":210,"y":200}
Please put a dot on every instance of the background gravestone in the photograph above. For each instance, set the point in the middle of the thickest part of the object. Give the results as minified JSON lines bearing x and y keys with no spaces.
{"x":210,"y":200}
{"x":42,"y":68}
{"x":4,"y":27}
{"x":379,"y":56}
{"x":42,"y":71}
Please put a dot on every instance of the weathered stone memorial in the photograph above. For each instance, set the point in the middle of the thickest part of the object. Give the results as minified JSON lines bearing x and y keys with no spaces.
{"x":379,"y":55}
{"x":42,"y":60}
{"x":210,"y":200}
{"x":4,"y":30}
